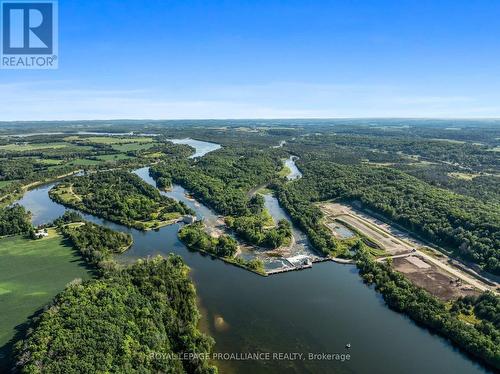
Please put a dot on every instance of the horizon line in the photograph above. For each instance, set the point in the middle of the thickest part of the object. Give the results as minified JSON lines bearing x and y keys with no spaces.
{"x":256,"y":119}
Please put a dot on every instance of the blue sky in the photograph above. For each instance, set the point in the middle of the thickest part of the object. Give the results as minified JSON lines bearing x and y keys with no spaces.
{"x":164,"y":59}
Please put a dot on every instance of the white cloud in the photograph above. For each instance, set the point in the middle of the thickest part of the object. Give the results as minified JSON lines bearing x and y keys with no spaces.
{"x":63,"y":100}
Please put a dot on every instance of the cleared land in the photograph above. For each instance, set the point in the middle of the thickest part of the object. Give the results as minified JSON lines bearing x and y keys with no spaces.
{"x":84,"y":162}
{"x":432,"y":278}
{"x":5,"y":183}
{"x":398,"y":244}
{"x":132,"y":146}
{"x":115,"y":157}
{"x":392,"y":240}
{"x":117,"y":140}
{"x":32,"y":272}
{"x":30,"y":147}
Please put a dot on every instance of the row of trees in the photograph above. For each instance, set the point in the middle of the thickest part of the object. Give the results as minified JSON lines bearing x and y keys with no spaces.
{"x":141,"y":319}
{"x":481,"y":339}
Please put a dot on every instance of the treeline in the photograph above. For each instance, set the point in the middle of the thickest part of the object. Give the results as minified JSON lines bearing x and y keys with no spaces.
{"x":138,"y":319}
{"x":297,"y":201}
{"x":120,"y":197}
{"x":97,"y":243}
{"x":481,"y":340}
{"x":466,"y":225}
{"x":22,"y":171}
{"x":14,"y":220}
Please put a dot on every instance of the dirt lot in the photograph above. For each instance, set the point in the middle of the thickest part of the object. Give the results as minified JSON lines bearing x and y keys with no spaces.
{"x":430,"y":270}
{"x":428,"y":276}
{"x":392,"y":240}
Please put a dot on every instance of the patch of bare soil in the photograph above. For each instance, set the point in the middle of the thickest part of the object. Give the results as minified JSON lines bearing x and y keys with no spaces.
{"x":431,"y":278}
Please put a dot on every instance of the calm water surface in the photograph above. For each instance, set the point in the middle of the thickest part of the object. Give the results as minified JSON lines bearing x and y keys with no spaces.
{"x":295,"y":172}
{"x":318,"y":310}
{"x":202,"y":148}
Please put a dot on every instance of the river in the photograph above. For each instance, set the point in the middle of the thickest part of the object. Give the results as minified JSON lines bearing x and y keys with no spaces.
{"x":318,"y":310}
{"x":294,"y":170}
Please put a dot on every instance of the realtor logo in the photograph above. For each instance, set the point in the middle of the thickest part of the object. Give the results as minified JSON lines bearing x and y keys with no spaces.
{"x":29,"y":34}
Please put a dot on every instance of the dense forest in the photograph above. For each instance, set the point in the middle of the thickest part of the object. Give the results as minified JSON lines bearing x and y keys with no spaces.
{"x":253,"y":230}
{"x":224,"y":180}
{"x":119,"y":196}
{"x":298,"y":203}
{"x":481,"y":340}
{"x":194,"y":236}
{"x":484,"y":187}
{"x":14,"y":220}
{"x":467,"y":155}
{"x":138,"y":319}
{"x":224,"y":246}
{"x":97,"y":243}
{"x":469,"y":227}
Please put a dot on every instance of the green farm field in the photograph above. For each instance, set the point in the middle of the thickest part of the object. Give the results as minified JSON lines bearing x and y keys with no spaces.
{"x":84,"y":162}
{"x":117,"y":140}
{"x":32,"y":272}
{"x":31,"y":147}
{"x":5,"y":183}
{"x":115,"y":157}
{"x":132,"y":147}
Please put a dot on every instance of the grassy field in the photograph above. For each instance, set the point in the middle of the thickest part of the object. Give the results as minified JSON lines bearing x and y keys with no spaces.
{"x":31,"y":147}
{"x":50,"y":161}
{"x":116,"y":157}
{"x":32,"y":272}
{"x":84,"y":162}
{"x":285,"y":171}
{"x":117,"y":140}
{"x":155,"y":155}
{"x":464,"y":176}
{"x":132,"y":146}
{"x":5,"y":183}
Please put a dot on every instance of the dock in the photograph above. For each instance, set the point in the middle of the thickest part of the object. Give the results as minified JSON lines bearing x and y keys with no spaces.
{"x":287,"y":269}
{"x":297,"y":263}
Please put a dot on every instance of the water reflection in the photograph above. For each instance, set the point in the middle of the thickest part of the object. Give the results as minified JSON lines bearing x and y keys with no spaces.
{"x":202,"y":148}
{"x":295,"y":172}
